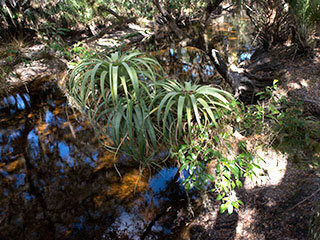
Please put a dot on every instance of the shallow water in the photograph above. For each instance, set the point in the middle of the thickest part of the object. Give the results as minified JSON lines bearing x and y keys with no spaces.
{"x":188,"y":63}
{"x":57,"y":183}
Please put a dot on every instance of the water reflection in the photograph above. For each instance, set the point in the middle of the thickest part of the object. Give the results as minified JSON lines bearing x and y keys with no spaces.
{"x":33,"y":143}
{"x":245,"y":53}
{"x":185,"y":63}
{"x":150,"y":206}
{"x":159,"y":182}
{"x":188,"y":63}
{"x":57,"y":183}
{"x":15,"y":103}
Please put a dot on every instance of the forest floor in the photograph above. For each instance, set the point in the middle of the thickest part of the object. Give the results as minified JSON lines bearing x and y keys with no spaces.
{"x":280,"y":202}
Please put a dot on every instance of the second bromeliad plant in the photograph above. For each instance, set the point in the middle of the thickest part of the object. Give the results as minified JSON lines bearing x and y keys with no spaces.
{"x":127,"y":99}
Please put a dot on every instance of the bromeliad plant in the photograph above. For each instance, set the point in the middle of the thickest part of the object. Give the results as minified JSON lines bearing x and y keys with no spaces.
{"x":188,"y":103}
{"x":115,"y":93}
{"x":94,"y":81}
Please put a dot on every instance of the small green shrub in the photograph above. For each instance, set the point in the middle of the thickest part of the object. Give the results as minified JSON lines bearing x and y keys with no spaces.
{"x":308,"y":11}
{"x":210,"y":147}
{"x":280,"y":118}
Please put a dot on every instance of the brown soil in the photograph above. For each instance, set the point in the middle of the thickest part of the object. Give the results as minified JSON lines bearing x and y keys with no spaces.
{"x":302,"y":81}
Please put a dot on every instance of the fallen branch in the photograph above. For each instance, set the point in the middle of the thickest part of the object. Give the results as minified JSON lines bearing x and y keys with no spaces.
{"x":108,"y":29}
{"x":307,"y":198}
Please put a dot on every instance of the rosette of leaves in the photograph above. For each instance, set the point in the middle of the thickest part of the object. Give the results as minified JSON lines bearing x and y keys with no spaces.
{"x":93,"y":81}
{"x":115,"y":93}
{"x":188,"y":103}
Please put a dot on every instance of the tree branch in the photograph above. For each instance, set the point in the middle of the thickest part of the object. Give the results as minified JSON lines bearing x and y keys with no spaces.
{"x":171,"y":22}
{"x":104,"y":8}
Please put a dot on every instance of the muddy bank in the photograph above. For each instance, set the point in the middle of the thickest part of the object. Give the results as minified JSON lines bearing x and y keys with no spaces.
{"x":29,"y":69}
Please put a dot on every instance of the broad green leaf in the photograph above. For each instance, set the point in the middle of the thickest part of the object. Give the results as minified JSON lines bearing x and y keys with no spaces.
{"x":180,"y":112}
{"x":102,"y":84}
{"x":208,"y":110}
{"x":195,"y":109}
{"x":114,"y":87}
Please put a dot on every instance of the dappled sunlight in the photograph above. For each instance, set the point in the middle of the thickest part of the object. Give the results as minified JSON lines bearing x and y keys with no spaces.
{"x":246,"y":219}
{"x":304,"y":83}
{"x":208,"y":221}
{"x":273,"y":169}
{"x":131,"y":183}
{"x":293,"y":86}
{"x":106,"y":160}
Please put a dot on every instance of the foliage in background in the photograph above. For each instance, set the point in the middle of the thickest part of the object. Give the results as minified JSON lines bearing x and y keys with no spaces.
{"x":271,"y":21}
{"x":278,"y":21}
{"x":306,"y":17}
{"x":308,"y":11}
{"x":51,"y":18}
{"x":45,"y":15}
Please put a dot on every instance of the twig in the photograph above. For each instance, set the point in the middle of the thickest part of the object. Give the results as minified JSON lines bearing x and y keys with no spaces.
{"x":310,"y":100}
{"x":115,"y":167}
{"x":305,"y":199}
{"x":114,"y":158}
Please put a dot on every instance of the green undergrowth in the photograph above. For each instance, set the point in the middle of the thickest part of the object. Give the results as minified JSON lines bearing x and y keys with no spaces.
{"x":283,"y":124}
{"x":216,"y":159}
{"x":136,"y":111}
